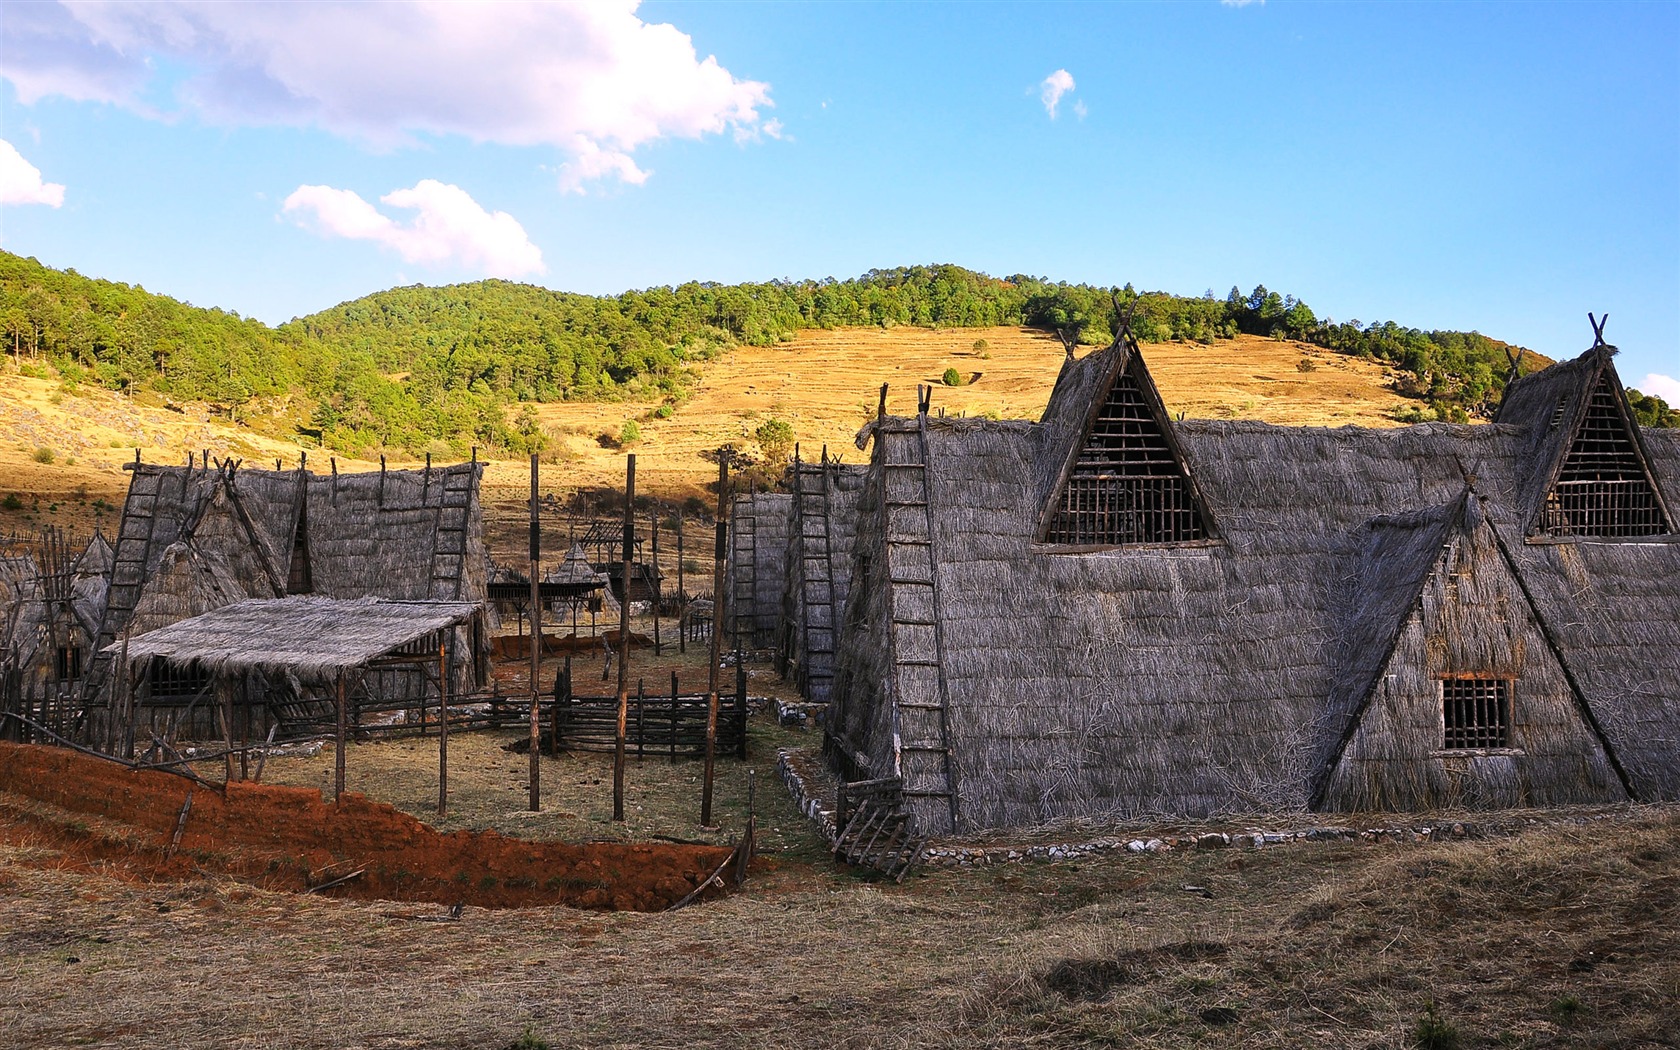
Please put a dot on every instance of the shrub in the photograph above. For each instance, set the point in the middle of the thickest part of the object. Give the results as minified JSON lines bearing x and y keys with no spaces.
{"x":775,"y":438}
{"x":1435,"y":1032}
{"x":630,"y":434}
{"x":44,"y":455}
{"x":953,"y":377}
{"x":1305,"y":364}
{"x":11,"y":502}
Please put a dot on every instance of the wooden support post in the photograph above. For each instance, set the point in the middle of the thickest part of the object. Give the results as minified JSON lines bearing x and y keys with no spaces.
{"x":658,"y":649}
{"x":536,"y":644}
{"x":624,"y":635}
{"x":339,"y":742}
{"x":224,"y":693}
{"x":682,"y":592}
{"x":641,"y":718}
{"x":676,"y":708}
{"x":443,"y":728}
{"x":244,"y":728}
{"x":719,"y":549}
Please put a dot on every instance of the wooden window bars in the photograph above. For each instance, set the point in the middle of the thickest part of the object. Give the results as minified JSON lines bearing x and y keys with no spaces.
{"x":1603,"y":488}
{"x":1126,"y":485}
{"x":1476,"y":713}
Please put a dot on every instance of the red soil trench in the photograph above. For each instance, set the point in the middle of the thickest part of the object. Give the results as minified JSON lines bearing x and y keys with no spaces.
{"x":287,"y":838}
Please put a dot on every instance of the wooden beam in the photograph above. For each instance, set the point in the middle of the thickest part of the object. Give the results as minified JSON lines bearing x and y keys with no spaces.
{"x":624,"y":635}
{"x":719,"y":549}
{"x":536,"y":645}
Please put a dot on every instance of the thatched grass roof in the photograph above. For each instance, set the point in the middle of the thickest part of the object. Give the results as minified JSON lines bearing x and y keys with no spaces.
{"x":306,"y":635}
{"x":1203,"y":678}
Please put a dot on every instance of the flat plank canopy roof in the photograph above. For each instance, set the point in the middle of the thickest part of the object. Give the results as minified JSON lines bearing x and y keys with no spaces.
{"x":304,"y":633}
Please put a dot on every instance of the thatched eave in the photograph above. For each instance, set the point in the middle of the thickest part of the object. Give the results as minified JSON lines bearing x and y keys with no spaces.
{"x":304,"y":634}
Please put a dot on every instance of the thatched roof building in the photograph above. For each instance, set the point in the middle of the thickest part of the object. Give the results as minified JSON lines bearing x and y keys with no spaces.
{"x":196,"y":539}
{"x":816,"y":578}
{"x":755,"y":568}
{"x":50,"y":604}
{"x":1107,"y":613}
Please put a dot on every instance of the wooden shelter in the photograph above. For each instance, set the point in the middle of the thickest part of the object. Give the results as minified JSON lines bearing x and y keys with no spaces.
{"x":1108,"y":613}
{"x":51,"y":599}
{"x":197,"y":538}
{"x":256,"y":663}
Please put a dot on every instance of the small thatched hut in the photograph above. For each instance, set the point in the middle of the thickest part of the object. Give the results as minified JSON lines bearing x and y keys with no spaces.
{"x":1107,"y":613}
{"x":50,"y":604}
{"x":195,"y":539}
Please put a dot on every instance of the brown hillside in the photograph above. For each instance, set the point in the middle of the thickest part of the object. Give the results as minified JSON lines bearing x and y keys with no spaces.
{"x":824,"y":384}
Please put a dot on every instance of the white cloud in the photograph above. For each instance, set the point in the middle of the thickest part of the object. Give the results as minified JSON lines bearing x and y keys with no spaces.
{"x":1241,"y":3}
{"x":21,"y":183}
{"x":523,"y":74}
{"x":1079,"y":109}
{"x":448,"y":227}
{"x":1665,"y":387}
{"x":1052,"y":89}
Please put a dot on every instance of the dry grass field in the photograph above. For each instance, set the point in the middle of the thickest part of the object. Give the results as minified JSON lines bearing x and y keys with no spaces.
{"x":824,"y":384}
{"x":1558,"y":937}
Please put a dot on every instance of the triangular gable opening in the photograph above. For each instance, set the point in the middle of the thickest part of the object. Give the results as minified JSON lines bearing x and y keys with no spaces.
{"x":1603,"y":486}
{"x":1126,"y":483}
{"x":301,"y":579}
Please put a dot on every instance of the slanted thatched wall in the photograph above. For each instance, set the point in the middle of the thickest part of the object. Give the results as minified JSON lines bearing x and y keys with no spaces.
{"x":1465,"y":614}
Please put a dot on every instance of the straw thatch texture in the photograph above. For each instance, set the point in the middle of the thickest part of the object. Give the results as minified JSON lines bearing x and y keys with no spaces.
{"x":833,"y":490}
{"x":222,"y":535}
{"x":756,"y":567}
{"x":305,"y":635}
{"x":1195,"y":679}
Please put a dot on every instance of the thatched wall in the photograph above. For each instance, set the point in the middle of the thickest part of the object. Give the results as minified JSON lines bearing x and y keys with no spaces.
{"x":1465,"y":615}
{"x":845,"y":485}
{"x":766,"y":566}
{"x":1200,"y":679}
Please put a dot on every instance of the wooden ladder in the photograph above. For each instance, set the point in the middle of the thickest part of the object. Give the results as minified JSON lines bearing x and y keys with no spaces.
{"x":921,"y":697}
{"x":818,"y":627}
{"x":449,"y":543}
{"x":743,"y":622}
{"x":875,"y":829}
{"x":131,"y":557}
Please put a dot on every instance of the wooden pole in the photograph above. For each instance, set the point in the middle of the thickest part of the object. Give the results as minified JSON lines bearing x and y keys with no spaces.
{"x":443,"y":729}
{"x":658,"y":649}
{"x":624,"y":636}
{"x":682,"y":592}
{"x":338,"y":747}
{"x":224,"y":691}
{"x":536,"y":644}
{"x":718,"y":551}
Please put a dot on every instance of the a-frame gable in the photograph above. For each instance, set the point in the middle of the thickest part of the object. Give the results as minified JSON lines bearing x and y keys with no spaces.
{"x":1124,"y":480}
{"x":1468,"y":702}
{"x":1601,"y":482}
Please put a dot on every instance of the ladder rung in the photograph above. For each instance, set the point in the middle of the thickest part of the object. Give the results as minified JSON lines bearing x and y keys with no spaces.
{"x":905,"y":466}
{"x":919,"y":663}
{"x":926,"y":793}
{"x":937,"y":748}
{"x":921,"y":707}
{"x":912,"y":581}
{"x":914,"y":623}
{"x":905,"y":503}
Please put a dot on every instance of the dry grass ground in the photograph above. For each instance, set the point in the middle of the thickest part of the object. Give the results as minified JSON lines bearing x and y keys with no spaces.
{"x":824,"y":384}
{"x":1557,"y":937}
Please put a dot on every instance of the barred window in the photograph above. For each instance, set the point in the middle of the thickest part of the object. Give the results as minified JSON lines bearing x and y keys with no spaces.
{"x":1476,"y":713}
{"x":1126,"y":486}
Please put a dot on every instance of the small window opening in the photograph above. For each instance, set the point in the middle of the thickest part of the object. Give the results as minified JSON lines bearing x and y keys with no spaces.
{"x":1476,"y":713}
{"x":69,"y":662}
{"x":1557,"y":414}
{"x":1126,"y":485}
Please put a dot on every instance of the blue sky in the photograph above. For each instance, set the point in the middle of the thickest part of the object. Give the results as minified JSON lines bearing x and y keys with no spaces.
{"x":1498,"y":167}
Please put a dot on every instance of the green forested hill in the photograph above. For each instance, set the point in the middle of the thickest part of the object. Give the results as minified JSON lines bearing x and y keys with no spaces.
{"x":410,"y":367}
